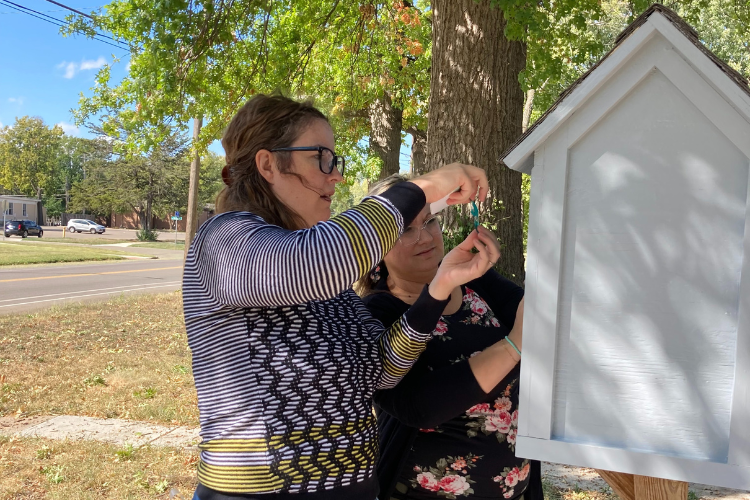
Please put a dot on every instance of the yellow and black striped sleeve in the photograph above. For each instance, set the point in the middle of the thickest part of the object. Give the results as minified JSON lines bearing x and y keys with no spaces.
{"x":402,"y":343}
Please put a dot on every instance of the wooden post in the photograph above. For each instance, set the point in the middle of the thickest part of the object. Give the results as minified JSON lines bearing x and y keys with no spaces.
{"x":632,"y":487}
{"x":195,"y":169}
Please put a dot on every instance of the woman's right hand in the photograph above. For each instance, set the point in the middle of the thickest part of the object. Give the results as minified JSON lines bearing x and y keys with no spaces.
{"x":470,"y":181}
{"x":462,"y":265}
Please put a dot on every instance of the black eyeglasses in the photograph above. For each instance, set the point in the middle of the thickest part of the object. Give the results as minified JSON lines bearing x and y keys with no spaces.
{"x":327,"y":160}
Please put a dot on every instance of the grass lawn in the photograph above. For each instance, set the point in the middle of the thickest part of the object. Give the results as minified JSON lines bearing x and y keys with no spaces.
{"x":126,"y":358}
{"x":166,"y":245}
{"x":93,"y":240}
{"x":15,"y":253}
{"x":36,"y":468}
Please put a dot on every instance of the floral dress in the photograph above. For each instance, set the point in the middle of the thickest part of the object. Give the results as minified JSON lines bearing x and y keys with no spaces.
{"x":472,"y":454}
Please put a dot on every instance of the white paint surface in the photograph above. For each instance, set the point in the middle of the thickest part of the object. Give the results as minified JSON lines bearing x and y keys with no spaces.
{"x":652,"y":258}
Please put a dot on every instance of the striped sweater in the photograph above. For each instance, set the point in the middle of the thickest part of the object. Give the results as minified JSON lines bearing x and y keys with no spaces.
{"x":285,"y":355}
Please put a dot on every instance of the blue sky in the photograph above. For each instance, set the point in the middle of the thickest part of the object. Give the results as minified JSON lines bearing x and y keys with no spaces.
{"x":43,"y":74}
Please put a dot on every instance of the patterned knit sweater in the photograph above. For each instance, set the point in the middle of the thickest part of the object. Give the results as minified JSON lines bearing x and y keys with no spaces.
{"x":285,"y":355}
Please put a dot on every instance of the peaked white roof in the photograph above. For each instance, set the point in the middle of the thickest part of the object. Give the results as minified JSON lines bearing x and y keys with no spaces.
{"x":724,"y":79}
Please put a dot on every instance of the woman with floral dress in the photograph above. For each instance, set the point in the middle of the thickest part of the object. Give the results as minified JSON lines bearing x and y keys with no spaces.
{"x":448,"y":429}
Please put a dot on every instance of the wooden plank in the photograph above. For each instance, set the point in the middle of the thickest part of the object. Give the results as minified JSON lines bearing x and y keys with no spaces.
{"x":739,"y":431}
{"x":541,"y":336}
{"x":712,"y":72}
{"x":623,"y":484}
{"x":651,"y":488}
{"x":516,"y":159}
{"x":634,"y":462}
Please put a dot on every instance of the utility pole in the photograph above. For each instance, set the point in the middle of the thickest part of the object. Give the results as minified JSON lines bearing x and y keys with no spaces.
{"x":195,"y":170}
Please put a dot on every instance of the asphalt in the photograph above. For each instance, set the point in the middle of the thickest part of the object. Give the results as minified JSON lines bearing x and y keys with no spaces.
{"x":29,"y":288}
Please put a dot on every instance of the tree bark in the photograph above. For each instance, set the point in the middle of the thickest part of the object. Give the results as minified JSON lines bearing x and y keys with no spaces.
{"x":476,"y":112}
{"x":149,"y":202}
{"x":385,"y":134}
{"x":528,"y":107}
{"x":191,"y":225}
{"x":418,"y":151}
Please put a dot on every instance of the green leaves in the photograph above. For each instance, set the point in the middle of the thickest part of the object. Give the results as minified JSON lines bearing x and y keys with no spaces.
{"x":29,"y":152}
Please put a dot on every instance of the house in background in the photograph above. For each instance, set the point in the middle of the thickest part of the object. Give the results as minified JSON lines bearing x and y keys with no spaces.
{"x":18,"y":207}
{"x":132,"y":221}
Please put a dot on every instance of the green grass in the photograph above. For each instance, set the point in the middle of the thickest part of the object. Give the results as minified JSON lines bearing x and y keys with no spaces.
{"x":166,"y":245}
{"x":93,"y":240}
{"x":35,"y":468}
{"x":124,"y":358}
{"x":18,"y":253}
{"x":90,"y":240}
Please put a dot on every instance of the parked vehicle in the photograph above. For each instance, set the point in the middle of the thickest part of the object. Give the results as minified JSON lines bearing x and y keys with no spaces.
{"x":22,"y":228}
{"x":89,"y":226}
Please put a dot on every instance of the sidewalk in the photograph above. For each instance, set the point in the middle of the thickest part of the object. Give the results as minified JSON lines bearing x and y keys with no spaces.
{"x":139,"y":434}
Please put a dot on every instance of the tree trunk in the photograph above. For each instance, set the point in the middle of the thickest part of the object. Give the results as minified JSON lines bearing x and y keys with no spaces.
{"x":191,"y":224}
{"x":528,"y":107}
{"x":418,"y":152}
{"x":385,"y":134}
{"x":149,"y":201}
{"x":476,"y":112}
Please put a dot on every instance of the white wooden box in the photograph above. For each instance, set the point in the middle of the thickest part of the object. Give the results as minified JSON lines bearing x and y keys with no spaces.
{"x":637,"y":321}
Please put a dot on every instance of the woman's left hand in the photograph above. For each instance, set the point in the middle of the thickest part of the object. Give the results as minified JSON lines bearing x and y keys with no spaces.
{"x":461,"y":265}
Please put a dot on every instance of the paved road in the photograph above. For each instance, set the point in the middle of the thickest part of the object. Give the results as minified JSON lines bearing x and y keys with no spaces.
{"x":25,"y":289}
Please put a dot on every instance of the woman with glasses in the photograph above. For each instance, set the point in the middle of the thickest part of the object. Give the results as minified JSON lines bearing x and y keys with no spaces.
{"x":448,"y":429}
{"x":286,"y":357}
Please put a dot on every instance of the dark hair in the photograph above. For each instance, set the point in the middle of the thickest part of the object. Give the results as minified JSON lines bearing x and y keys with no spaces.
{"x":366,"y":284}
{"x":264,"y":122}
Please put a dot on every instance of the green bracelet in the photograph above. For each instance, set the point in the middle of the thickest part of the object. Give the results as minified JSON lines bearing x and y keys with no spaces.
{"x":512,"y":345}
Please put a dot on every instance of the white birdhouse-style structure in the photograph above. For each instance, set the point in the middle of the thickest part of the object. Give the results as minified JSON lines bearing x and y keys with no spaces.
{"x":636,"y":349}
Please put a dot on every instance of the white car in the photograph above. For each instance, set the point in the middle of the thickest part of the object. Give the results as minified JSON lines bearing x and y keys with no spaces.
{"x":80,"y":225}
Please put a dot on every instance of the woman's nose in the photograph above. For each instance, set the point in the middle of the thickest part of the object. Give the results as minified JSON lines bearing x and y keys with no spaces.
{"x":426,"y":236}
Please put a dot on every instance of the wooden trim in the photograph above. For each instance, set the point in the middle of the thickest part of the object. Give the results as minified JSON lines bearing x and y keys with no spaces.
{"x":578,"y":97}
{"x":713,"y":105}
{"x":528,"y":366}
{"x":541,"y":332}
{"x":720,"y":81}
{"x":645,"y":464}
{"x":739,"y":430}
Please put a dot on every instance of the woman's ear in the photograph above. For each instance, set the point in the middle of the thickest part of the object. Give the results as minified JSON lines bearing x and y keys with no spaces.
{"x":266,"y":165}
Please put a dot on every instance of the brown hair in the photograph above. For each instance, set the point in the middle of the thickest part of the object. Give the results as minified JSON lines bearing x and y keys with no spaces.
{"x":264,"y":122}
{"x":366,"y":284}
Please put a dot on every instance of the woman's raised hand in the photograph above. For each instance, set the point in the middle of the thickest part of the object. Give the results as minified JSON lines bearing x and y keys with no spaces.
{"x":469,"y":181}
{"x":461,"y":265}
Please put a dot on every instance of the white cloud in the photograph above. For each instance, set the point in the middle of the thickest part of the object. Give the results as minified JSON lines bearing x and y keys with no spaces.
{"x":72,"y":68}
{"x":91,"y":64}
{"x":1,"y":124}
{"x":17,"y":100}
{"x":69,"y":128}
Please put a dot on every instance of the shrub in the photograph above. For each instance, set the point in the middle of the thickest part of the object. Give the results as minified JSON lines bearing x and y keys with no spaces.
{"x":147,"y":235}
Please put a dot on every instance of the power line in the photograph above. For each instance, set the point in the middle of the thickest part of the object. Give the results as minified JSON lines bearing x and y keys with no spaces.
{"x":55,"y":21}
{"x":70,"y":8}
{"x":54,"y":18}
